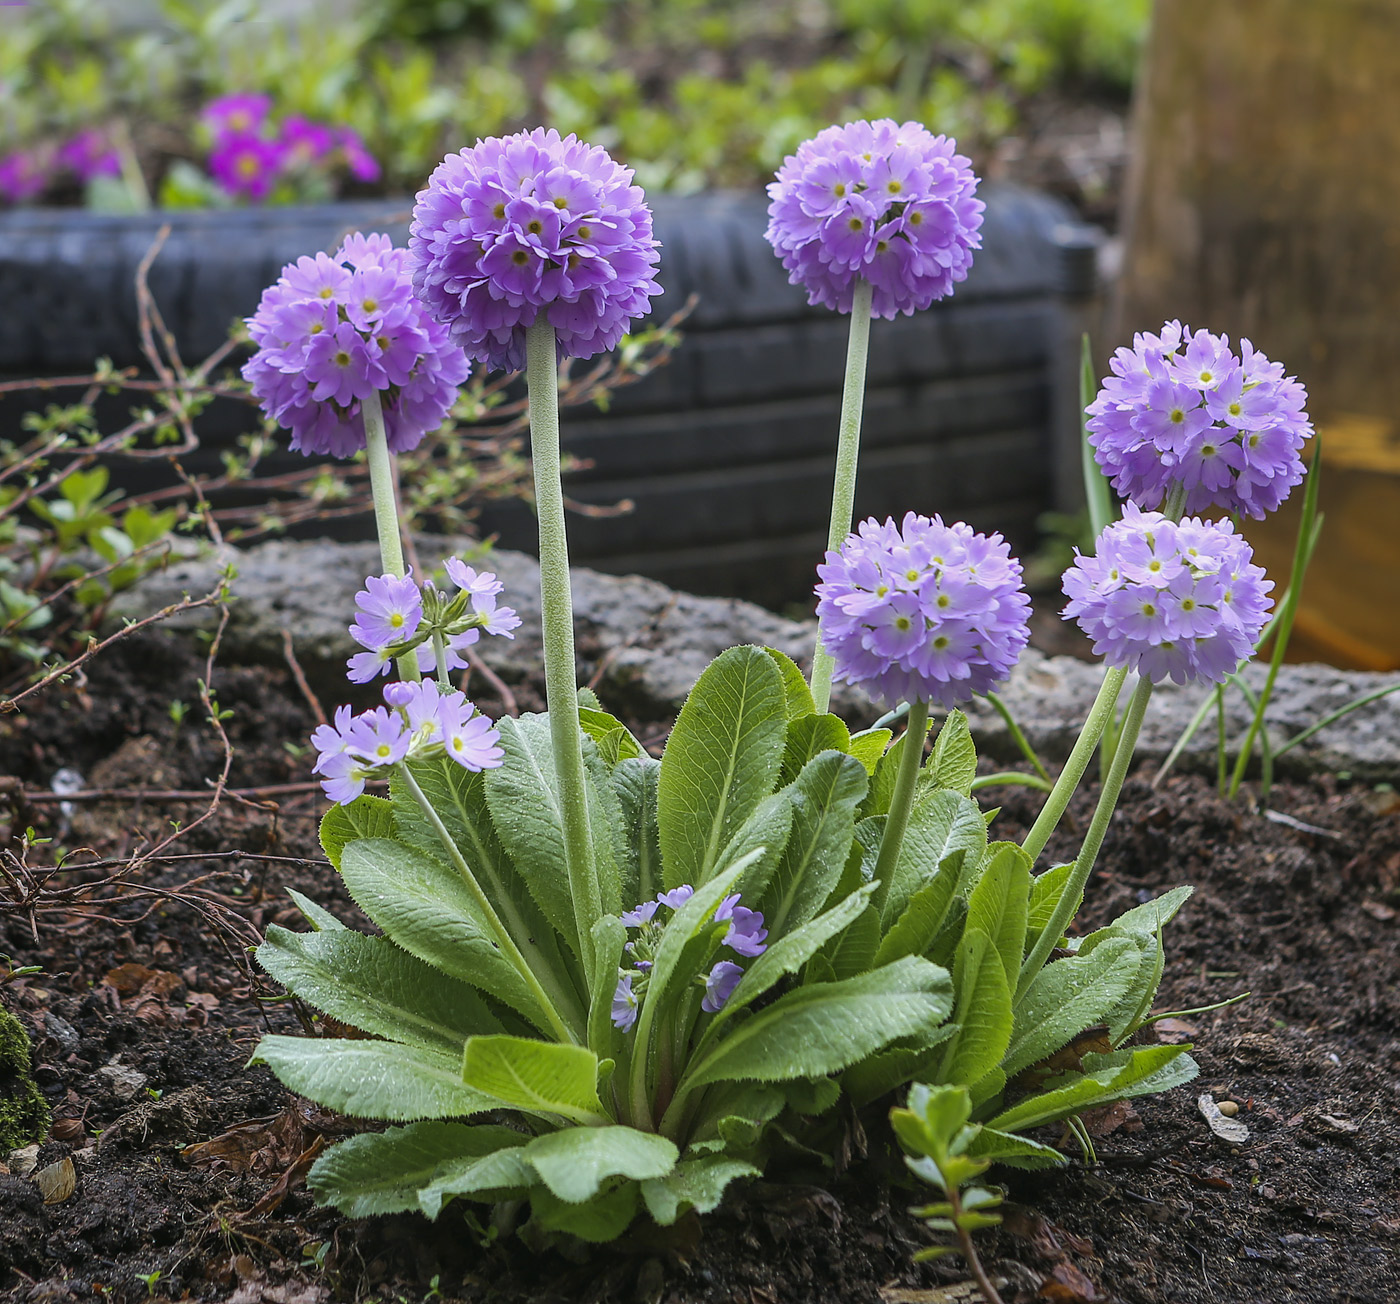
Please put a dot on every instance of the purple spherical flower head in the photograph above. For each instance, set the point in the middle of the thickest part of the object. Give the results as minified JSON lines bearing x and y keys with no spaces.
{"x":1182,"y":410}
{"x":335,"y":329}
{"x":922,"y":612}
{"x":720,"y":983}
{"x":1181,"y":601}
{"x":533,"y":223}
{"x":887,"y":202}
{"x":624,"y":1003}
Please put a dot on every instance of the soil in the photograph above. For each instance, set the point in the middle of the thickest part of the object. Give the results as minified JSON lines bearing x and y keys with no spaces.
{"x":189,"y":1167}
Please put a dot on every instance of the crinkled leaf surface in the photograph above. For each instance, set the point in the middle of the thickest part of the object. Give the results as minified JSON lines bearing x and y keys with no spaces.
{"x":575,"y":1162}
{"x":537,"y":1076}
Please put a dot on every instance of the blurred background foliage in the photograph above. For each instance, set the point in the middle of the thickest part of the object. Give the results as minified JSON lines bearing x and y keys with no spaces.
{"x":691,"y":93}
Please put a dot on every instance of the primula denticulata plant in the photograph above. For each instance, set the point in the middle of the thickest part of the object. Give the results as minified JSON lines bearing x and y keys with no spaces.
{"x":647,"y":973}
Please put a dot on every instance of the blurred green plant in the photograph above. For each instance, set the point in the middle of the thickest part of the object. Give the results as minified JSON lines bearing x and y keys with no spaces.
{"x":691,"y":93}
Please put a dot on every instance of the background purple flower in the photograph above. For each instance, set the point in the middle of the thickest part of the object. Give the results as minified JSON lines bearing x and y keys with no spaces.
{"x":314,"y":365}
{"x":888,"y":202}
{"x":719,"y":985}
{"x":23,"y":175}
{"x":1183,"y":409}
{"x":246,"y":165}
{"x":526,"y":223}
{"x":1180,"y":601}
{"x":90,"y":154}
{"x":240,"y":114}
{"x":924,"y":612}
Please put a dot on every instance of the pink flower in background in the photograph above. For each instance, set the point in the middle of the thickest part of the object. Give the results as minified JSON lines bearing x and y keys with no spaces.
{"x":240,"y":114}
{"x":305,"y":142}
{"x":23,"y":175}
{"x":360,"y":163}
{"x":246,"y":165}
{"x":90,"y":154}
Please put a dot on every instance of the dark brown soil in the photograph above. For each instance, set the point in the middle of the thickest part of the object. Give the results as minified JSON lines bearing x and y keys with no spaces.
{"x":196,"y":1173}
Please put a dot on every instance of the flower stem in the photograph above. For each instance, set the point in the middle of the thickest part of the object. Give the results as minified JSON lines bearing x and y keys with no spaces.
{"x":386,"y":505}
{"x":557,"y":616}
{"x":843,"y":494}
{"x":444,"y":675}
{"x":1053,"y":811}
{"x":902,"y":799}
{"x":1068,"y":904}
{"x":498,"y":929}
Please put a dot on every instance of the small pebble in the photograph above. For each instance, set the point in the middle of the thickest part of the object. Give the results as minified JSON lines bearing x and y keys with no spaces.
{"x":1229,"y":1108}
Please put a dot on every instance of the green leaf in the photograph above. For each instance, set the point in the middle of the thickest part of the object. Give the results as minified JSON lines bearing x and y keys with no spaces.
{"x":935,"y":1115}
{"x":365,"y":817}
{"x":372,"y":1079}
{"x":940,"y":824}
{"x":501,"y":1175}
{"x":869,"y":745}
{"x":797,"y":697}
{"x":536,"y":1076}
{"x":953,"y":764}
{"x":575,"y":1162}
{"x":852,"y":951}
{"x":694,"y":1184}
{"x":733,"y":1117}
{"x":424,"y":907}
{"x":913,"y":933}
{"x":609,"y":937}
{"x":877,"y":800}
{"x":886,"y":1070}
{"x":769,"y":828}
{"x":1068,"y":996}
{"x":370,"y":984}
{"x":824,"y":1028}
{"x":1046,"y":891}
{"x":723,"y":758}
{"x":635,"y":781}
{"x":1014,"y":1151}
{"x":824,"y":796}
{"x":614,"y":739}
{"x":1113,"y":1077}
{"x":385,"y":1172}
{"x":599,"y":1220}
{"x":321,"y":920}
{"x":809,"y":736}
{"x":983,"y":1012}
{"x":1146,"y":919}
{"x":997,"y":905}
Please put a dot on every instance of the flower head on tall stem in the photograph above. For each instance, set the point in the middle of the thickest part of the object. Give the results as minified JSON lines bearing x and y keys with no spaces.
{"x":527,"y":224}
{"x":885,"y":202}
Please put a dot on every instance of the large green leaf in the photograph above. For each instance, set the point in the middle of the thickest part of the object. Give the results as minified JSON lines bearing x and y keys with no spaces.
{"x":723,"y":758}
{"x":914,"y":931}
{"x":825,"y":1027}
{"x":599,"y":1220}
{"x":1046,"y":891}
{"x":1014,"y":1151}
{"x":877,"y":800}
{"x":886,"y":1070}
{"x":1119,"y":1076}
{"x":1147,"y":918}
{"x":868,"y":747}
{"x":635,"y":781}
{"x":1068,"y":996}
{"x":940,"y":824}
{"x":426,"y":908}
{"x":365,"y":817}
{"x":983,"y":1012}
{"x":536,"y":1076}
{"x":997,"y":905}
{"x":809,"y":736}
{"x":852,"y":951}
{"x":824,"y":797}
{"x":954,"y":760}
{"x":385,"y":1172}
{"x":797,"y":697}
{"x":575,"y":1162}
{"x":693,"y":1184}
{"x":372,"y":985}
{"x":373,"y":1079}
{"x":769,"y":827}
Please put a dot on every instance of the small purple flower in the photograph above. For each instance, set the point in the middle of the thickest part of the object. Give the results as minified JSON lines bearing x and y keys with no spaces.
{"x":246,"y":165}
{"x":361,"y":164}
{"x":89,"y":154}
{"x":387,"y":610}
{"x":886,"y":202}
{"x":468,"y":738}
{"x":241,"y":114}
{"x":1180,"y":601}
{"x":746,"y":935}
{"x":315,"y":364}
{"x":624,"y":1004}
{"x":533,"y":223}
{"x":677,"y":896}
{"x":641,"y":915}
{"x":304,"y":143}
{"x":924,"y":612}
{"x":1182,"y":410}
{"x":720,"y":984}
{"x":24,"y":175}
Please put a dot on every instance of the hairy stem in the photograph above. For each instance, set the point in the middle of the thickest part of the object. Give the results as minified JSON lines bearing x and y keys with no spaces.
{"x":902,"y":799}
{"x":843,"y":494}
{"x":386,"y":505}
{"x":557,"y":616}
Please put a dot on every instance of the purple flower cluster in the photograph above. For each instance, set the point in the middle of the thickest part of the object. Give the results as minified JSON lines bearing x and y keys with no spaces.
{"x":421,"y":721}
{"x":533,"y":223}
{"x":26,"y":173}
{"x":392,"y":619}
{"x":333,"y":330}
{"x":1181,"y":601}
{"x":1182,"y":409}
{"x":890,"y":203}
{"x":745,"y":936}
{"x":251,"y":153}
{"x":924,"y":613}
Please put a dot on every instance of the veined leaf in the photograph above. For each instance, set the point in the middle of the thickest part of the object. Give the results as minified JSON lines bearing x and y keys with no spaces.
{"x":425,"y":907}
{"x":1014,"y":1151}
{"x":575,"y":1162}
{"x":694,"y":1184}
{"x":723,"y":758}
{"x":913,"y":933}
{"x":809,"y":736}
{"x":869,"y":745}
{"x":797,"y":697}
{"x":372,"y":985}
{"x":1068,"y":996}
{"x":826,"y":1027}
{"x":953,"y":764}
{"x":536,"y":1076}
{"x":887,"y":1070}
{"x":733,"y":1118}
{"x":365,"y":817}
{"x":599,"y":1220}
{"x":500,"y":1175}
{"x":1046,"y":891}
{"x":824,"y":797}
{"x":372,"y":1079}
{"x":634,"y":781}
{"x":384,"y":1172}
{"x":997,"y":905}
{"x":321,"y":920}
{"x":939,"y":824}
{"x":983,"y":1012}
{"x":615,"y":741}
{"x":852,"y":951}
{"x":1147,"y":918}
{"x":769,"y":827}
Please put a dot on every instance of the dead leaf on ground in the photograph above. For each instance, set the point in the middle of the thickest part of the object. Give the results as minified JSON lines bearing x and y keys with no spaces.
{"x":291,"y":1177}
{"x":1067,"y":1285}
{"x":1107,"y":1119}
{"x":960,"y":1292}
{"x":57,"y":1182}
{"x":132,"y":978}
{"x":1066,"y":1060}
{"x":1173,"y":1032}
{"x":1047,"y":1239}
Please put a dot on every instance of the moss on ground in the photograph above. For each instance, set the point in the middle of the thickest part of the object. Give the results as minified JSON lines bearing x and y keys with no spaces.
{"x":24,"y":1114}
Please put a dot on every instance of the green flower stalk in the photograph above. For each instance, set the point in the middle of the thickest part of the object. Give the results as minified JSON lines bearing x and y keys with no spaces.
{"x":384,"y":491}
